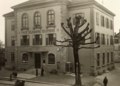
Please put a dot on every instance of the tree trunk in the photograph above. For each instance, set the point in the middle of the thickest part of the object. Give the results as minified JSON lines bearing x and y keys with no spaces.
{"x":77,"y":67}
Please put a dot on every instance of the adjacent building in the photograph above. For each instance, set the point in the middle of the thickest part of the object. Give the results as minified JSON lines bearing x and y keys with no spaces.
{"x":117,"y":47}
{"x":32,"y":27}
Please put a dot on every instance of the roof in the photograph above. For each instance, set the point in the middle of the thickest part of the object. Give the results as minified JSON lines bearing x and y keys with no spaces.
{"x":88,"y":2}
{"x":10,"y":14}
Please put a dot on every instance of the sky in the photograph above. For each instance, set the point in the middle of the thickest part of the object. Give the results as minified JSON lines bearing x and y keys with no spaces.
{"x":5,"y":7}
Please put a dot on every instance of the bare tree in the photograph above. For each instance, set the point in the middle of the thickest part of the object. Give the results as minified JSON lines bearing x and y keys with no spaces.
{"x":77,"y":38}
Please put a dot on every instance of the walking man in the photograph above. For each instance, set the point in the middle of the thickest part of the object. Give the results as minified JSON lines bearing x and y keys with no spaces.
{"x":105,"y":81}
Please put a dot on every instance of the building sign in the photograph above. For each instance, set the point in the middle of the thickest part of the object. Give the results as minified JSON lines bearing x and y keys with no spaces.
{"x":37,"y":31}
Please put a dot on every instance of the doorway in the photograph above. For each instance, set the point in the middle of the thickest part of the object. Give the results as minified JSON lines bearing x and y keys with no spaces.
{"x":37,"y":60}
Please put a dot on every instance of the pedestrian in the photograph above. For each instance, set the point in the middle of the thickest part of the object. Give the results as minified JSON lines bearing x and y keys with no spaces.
{"x":105,"y":81}
{"x":42,"y":71}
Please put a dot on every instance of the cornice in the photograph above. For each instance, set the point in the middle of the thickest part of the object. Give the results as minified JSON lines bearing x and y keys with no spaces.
{"x":10,"y":14}
{"x":37,"y":3}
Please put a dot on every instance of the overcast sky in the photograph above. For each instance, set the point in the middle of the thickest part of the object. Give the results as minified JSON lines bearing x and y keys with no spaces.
{"x":5,"y":7}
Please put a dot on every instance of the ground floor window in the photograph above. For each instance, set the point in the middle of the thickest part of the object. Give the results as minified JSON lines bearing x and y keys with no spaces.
{"x":25,"y":57}
{"x":12,"y":57}
{"x":51,"y":58}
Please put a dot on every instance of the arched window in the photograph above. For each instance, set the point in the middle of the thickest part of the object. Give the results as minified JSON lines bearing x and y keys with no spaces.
{"x":50,"y":17}
{"x":25,"y":57}
{"x":37,"y":19}
{"x":51,"y":59}
{"x":25,"y":21}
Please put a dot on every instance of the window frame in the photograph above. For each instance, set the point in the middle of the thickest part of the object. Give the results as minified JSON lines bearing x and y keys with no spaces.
{"x":25,"y":21}
{"x":50,"y":57}
{"x":25,"y":59}
{"x":37,"y":20}
{"x":51,"y":18}
{"x":37,"y":41}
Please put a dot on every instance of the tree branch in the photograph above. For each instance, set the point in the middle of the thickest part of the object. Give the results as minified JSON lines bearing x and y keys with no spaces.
{"x":88,"y":38}
{"x":67,"y":40}
{"x":89,"y":47}
{"x":69,"y":24}
{"x":86,"y":29}
{"x":62,"y":24}
{"x":64,"y":45}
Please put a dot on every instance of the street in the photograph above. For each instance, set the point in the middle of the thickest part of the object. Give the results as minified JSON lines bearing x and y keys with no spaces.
{"x":113,"y":76}
{"x":113,"y":79}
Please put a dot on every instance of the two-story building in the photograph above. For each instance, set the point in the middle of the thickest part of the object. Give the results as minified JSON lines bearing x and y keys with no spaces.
{"x":32,"y":27}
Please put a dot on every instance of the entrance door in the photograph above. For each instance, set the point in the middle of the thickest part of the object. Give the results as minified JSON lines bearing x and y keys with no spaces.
{"x":37,"y":60}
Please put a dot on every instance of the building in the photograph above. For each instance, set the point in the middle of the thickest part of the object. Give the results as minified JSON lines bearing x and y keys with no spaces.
{"x":33,"y":26}
{"x":117,"y":47}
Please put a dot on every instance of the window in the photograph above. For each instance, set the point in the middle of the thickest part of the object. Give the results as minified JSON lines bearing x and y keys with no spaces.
{"x":103,"y":58}
{"x":97,"y":18}
{"x":50,"y":18}
{"x":102,"y":21}
{"x":76,"y":15}
{"x":107,"y":57}
{"x":24,"y":21}
{"x":25,"y":40}
{"x":107,"y":23}
{"x":107,"y":39}
{"x":50,"y":39}
{"x":12,"y":57}
{"x":103,"y":39}
{"x":98,"y":35}
{"x":25,"y":57}
{"x":37,"y":20}
{"x":111,"y":40}
{"x":37,"y":40}
{"x":111,"y":24}
{"x":51,"y":59}
{"x":111,"y":56}
{"x":98,"y":59}
{"x":12,"y":25}
{"x":13,"y":42}
{"x":116,"y":41}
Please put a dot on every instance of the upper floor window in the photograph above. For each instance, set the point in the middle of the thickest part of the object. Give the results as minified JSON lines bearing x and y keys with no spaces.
{"x":24,"y":21}
{"x":12,"y":25}
{"x":111,"y":40}
{"x":51,"y":59}
{"x":111,"y":24}
{"x":102,"y":21}
{"x":76,"y":15}
{"x":97,"y":18}
{"x":98,"y":35}
{"x":12,"y":40}
{"x":107,"y":23}
{"x":103,"y":39}
{"x":107,"y":57}
{"x":50,"y":17}
{"x":37,"y":40}
{"x":25,"y":40}
{"x":37,"y":20}
{"x":50,"y":39}
{"x":107,"y":39}
{"x":112,"y":56}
